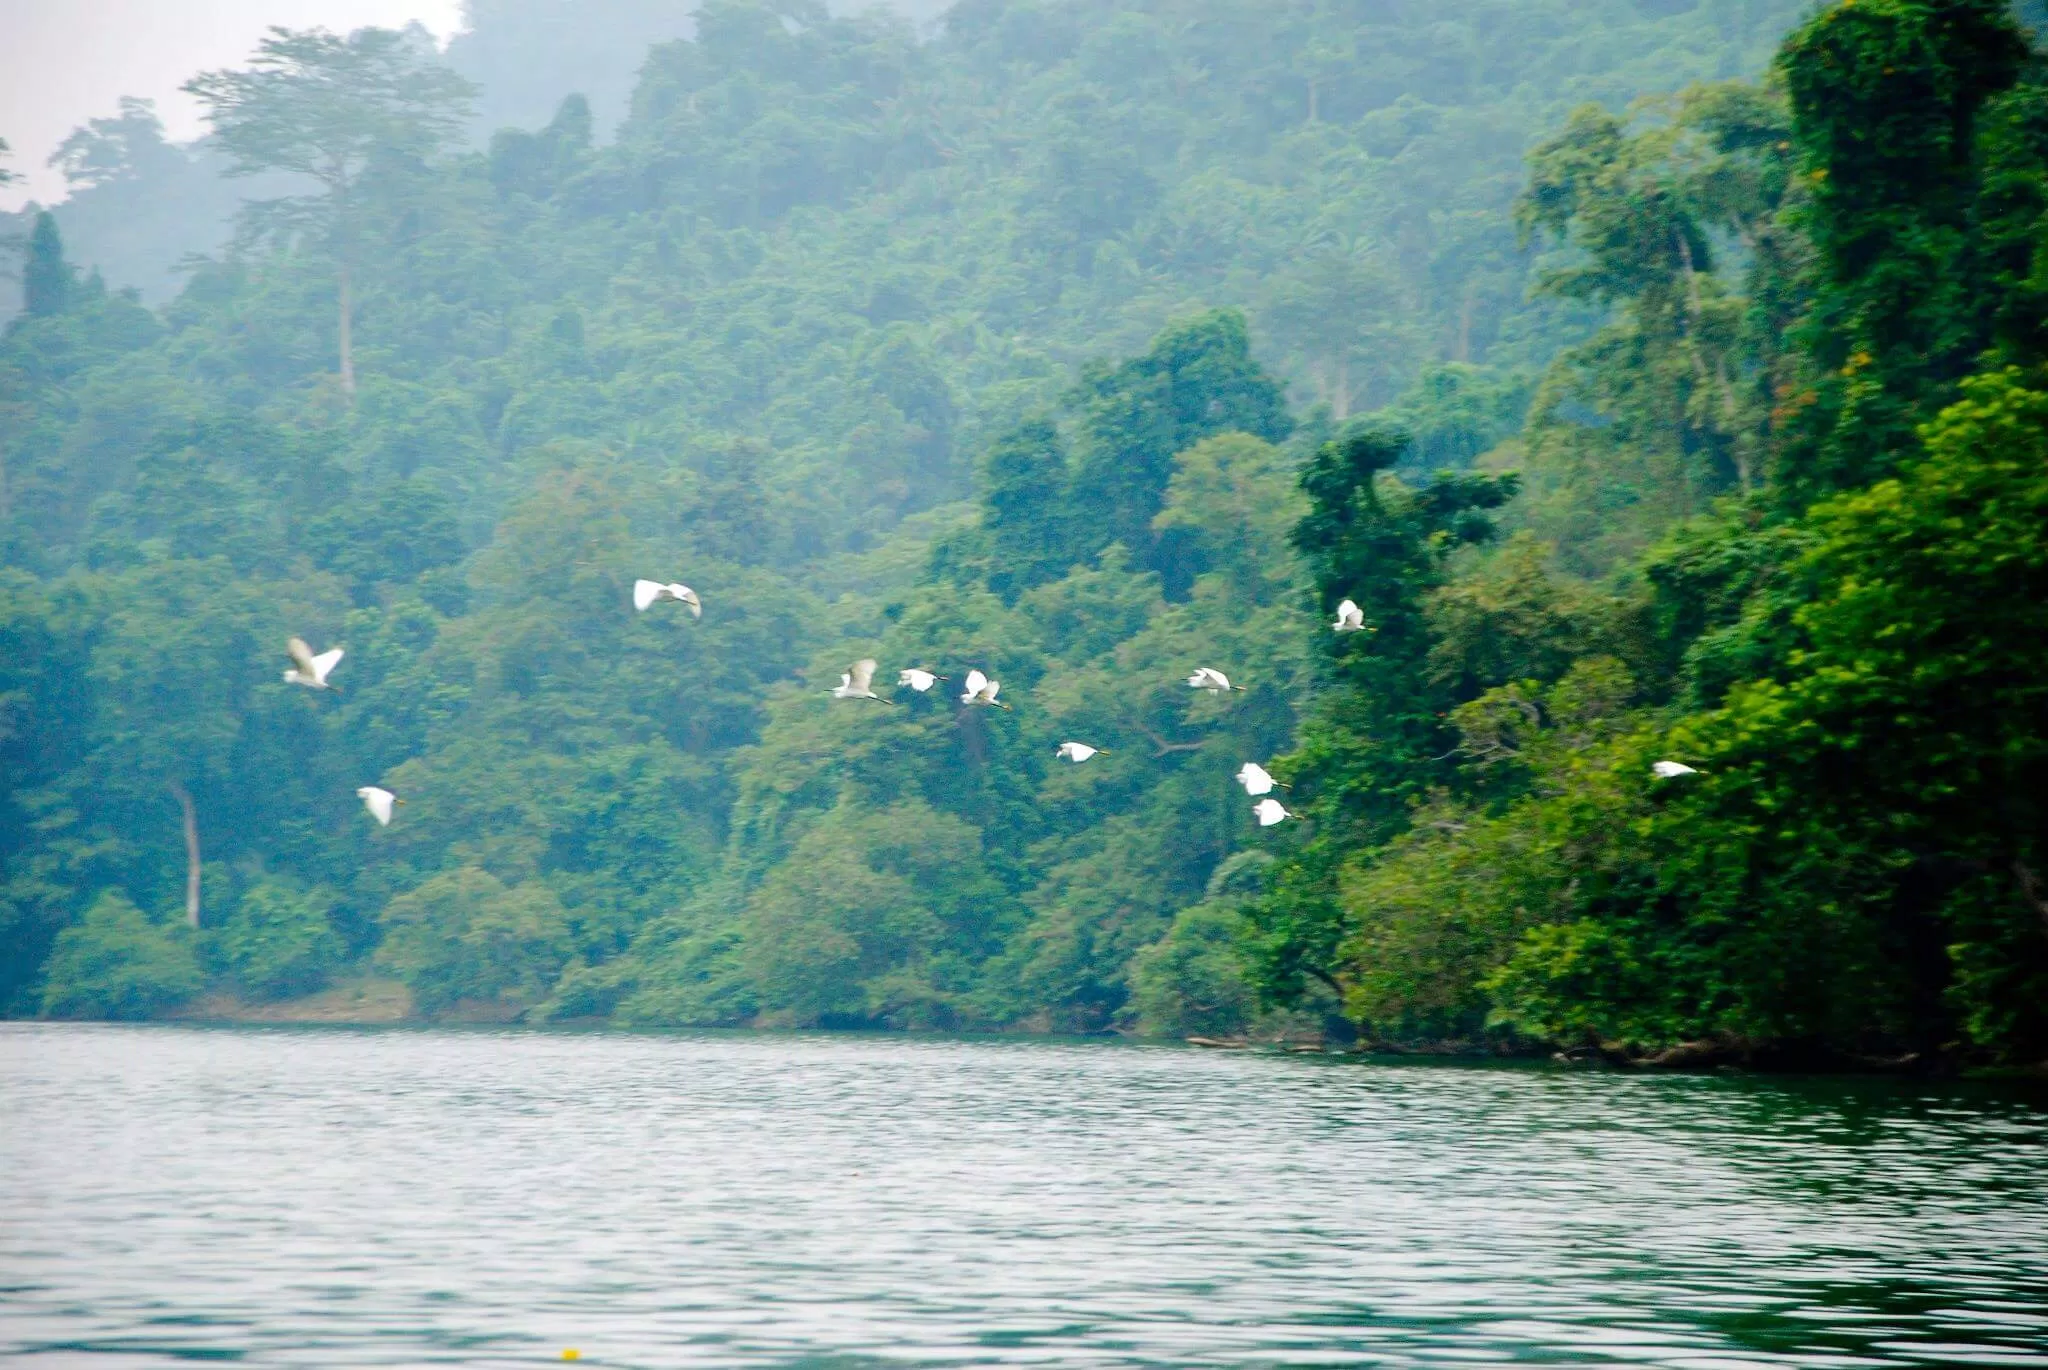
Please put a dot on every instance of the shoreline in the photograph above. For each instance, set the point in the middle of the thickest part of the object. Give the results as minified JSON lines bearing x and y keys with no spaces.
{"x":373,"y":1002}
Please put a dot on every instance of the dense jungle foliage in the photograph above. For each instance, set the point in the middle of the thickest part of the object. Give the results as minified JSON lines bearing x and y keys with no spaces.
{"x":1663,"y":381}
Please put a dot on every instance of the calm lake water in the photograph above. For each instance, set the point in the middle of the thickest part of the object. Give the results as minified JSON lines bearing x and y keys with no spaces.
{"x":337,"y":1198}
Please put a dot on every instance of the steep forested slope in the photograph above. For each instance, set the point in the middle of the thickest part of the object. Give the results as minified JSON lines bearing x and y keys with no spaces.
{"x":1032,"y":347}
{"x":1836,"y":458}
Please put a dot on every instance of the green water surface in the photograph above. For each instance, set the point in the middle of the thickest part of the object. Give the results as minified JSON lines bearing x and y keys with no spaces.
{"x":344,"y":1198}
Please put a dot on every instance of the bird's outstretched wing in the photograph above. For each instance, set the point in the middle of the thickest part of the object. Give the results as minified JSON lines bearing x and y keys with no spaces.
{"x":864,"y":675}
{"x":974,"y":683}
{"x":301,"y":654}
{"x":689,"y":597}
{"x":988,"y":691}
{"x":326,"y":662}
{"x":645,"y":592}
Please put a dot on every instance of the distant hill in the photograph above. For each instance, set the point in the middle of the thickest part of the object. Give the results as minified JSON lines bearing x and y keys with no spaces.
{"x":159,"y":203}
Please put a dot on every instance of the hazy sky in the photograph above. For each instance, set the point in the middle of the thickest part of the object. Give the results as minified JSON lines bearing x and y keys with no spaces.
{"x":63,"y":62}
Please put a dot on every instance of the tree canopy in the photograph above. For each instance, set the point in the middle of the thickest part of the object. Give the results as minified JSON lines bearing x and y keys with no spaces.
{"x":1660,"y":384}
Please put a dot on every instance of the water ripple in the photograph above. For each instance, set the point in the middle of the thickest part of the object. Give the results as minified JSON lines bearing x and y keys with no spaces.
{"x":321,"y":1198}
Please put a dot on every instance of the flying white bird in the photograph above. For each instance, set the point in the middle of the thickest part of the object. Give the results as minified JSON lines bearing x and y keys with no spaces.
{"x":1271,"y":811}
{"x":858,"y":682}
{"x":917,"y":678}
{"x":646,"y":592}
{"x":1350,"y":618}
{"x":1671,"y":770}
{"x":1256,"y":779}
{"x":1214,"y":681}
{"x":311,"y":671}
{"x":378,"y":802}
{"x":1077,"y":752}
{"x":982,"y":690}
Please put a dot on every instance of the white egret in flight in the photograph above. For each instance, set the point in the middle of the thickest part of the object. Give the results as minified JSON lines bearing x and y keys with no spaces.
{"x":1214,"y":681}
{"x":1271,"y":811}
{"x":1671,"y":770}
{"x":1256,"y":779}
{"x":1077,"y":752}
{"x":310,"y":671}
{"x":917,"y":678}
{"x":646,"y":592}
{"x":1350,"y":618}
{"x":378,"y":802}
{"x":982,"y":690}
{"x":858,"y":682}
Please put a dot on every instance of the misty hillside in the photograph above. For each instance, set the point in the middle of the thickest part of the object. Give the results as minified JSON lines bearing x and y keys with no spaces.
{"x":140,"y":205}
{"x":1596,"y":355}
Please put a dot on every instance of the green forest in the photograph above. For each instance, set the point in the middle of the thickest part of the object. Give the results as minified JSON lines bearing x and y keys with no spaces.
{"x":1662,"y":382}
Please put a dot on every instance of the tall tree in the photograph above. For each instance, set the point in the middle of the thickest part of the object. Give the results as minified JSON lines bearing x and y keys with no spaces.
{"x":536,"y":164}
{"x":1024,"y":486}
{"x":1886,"y":99}
{"x":129,"y":146}
{"x":46,"y":278}
{"x":1337,"y":306}
{"x":1668,"y":404}
{"x":1198,"y":379}
{"x":328,"y":108}
{"x":1381,"y":740}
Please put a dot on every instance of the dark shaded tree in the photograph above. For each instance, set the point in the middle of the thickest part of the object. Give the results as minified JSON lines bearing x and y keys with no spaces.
{"x":46,"y":278}
{"x":1887,"y":99}
{"x":1198,"y":379}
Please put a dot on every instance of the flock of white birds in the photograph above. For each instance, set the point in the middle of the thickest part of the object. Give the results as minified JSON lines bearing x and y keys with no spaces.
{"x":858,"y":682}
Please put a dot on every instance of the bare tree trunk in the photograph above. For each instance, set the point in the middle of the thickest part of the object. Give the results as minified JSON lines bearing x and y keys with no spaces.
{"x":348,"y":354}
{"x":184,"y":798}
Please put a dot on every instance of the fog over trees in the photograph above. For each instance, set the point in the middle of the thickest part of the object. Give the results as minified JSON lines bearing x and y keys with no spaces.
{"x":1661,"y":381}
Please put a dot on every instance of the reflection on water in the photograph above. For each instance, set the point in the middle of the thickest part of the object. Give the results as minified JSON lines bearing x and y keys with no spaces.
{"x":288,"y":1197}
